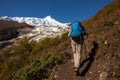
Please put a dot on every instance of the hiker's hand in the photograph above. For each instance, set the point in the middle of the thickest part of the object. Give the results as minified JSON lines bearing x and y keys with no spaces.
{"x":86,"y":36}
{"x":68,"y":34}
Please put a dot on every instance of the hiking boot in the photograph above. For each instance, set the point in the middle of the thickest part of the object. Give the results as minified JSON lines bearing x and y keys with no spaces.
{"x":77,"y":71}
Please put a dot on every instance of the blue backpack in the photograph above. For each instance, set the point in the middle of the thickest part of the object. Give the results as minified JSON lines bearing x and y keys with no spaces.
{"x":76,"y":29}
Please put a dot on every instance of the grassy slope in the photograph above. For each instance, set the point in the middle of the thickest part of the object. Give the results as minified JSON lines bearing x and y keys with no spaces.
{"x":104,"y":28}
{"x":32,"y":61}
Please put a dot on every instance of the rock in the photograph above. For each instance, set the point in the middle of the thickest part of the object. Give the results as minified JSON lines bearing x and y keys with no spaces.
{"x":55,"y":76}
{"x":90,"y":72}
{"x":116,"y":22}
{"x":99,"y":71}
{"x":103,"y":76}
{"x":106,"y":42}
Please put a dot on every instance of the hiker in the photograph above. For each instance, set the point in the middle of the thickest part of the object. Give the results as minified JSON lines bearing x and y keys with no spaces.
{"x":76,"y":34}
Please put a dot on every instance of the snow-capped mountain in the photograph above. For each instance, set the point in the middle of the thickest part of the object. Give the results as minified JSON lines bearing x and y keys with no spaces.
{"x":48,"y":21}
{"x":44,"y":27}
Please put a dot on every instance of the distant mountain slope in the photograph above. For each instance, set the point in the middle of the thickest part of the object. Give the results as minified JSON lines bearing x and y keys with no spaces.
{"x":4,"y":24}
{"x":10,"y":30}
{"x":13,"y":29}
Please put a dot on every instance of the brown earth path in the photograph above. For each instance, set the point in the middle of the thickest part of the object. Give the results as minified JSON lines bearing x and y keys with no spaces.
{"x":66,"y":70}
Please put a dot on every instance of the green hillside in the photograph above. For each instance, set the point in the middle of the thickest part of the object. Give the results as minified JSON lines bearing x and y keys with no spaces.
{"x":32,"y":61}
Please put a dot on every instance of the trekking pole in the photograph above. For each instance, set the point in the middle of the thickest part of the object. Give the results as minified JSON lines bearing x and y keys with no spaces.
{"x":85,"y":49}
{"x":85,"y":46}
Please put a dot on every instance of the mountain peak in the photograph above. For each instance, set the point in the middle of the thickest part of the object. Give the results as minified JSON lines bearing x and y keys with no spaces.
{"x":48,"y":17}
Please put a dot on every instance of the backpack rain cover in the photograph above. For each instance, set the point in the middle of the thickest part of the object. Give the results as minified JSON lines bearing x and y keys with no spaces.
{"x":76,"y":29}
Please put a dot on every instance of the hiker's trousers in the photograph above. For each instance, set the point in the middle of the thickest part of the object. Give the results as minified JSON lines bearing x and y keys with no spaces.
{"x":77,"y":49}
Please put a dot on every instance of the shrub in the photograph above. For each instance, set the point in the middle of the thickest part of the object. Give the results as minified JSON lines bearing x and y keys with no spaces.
{"x":38,"y":70}
{"x":19,"y":65}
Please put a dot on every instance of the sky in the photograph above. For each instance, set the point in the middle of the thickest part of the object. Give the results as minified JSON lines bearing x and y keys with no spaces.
{"x":61,"y":10}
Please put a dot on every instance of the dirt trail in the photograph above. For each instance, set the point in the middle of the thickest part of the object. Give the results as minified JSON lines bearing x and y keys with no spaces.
{"x":66,"y":70}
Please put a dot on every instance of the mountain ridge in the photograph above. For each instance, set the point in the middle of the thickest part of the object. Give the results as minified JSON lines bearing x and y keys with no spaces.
{"x":34,"y":21}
